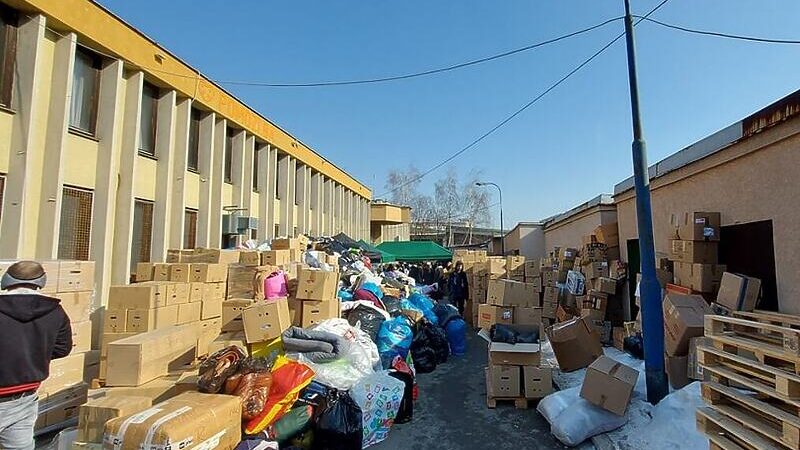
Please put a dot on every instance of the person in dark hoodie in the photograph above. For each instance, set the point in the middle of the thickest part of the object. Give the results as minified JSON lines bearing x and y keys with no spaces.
{"x":33,"y":330}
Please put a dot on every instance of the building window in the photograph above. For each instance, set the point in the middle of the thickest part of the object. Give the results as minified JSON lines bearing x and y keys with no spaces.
{"x":2,"y":193}
{"x":278,"y":179}
{"x":276,"y":231}
{"x":256,"y":155}
{"x":147,"y":120}
{"x":142,"y":233}
{"x":189,"y":228}
{"x":85,"y":91}
{"x":76,"y":224}
{"x":193,"y":156}
{"x":297,"y":189}
{"x":8,"y":47}
{"x":228,"y":172}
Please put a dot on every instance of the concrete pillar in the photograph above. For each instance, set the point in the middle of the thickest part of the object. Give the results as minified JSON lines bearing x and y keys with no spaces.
{"x":271,"y":190}
{"x":25,"y":160}
{"x":292,"y":220}
{"x":315,"y":227}
{"x":237,"y":169}
{"x":247,"y":176}
{"x":217,"y":179}
{"x":205,"y":169}
{"x":266,"y":188}
{"x":52,"y":178}
{"x":329,"y":206}
{"x":162,"y":209}
{"x":338,"y":208}
{"x":183,"y":117}
{"x":303,"y":197}
{"x":123,"y":217}
{"x":110,"y":114}
{"x":286,"y":203}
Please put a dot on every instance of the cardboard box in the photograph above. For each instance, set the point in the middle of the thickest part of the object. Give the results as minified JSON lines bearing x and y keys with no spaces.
{"x":146,"y":295}
{"x":549,"y":309}
{"x":276,"y":257}
{"x":697,"y":226}
{"x":738,"y":292}
{"x":177,"y":422}
{"x":227,"y":339}
{"x":208,"y":273}
{"x":677,"y":370}
{"x":215,"y":256}
{"x":693,"y":252}
{"x":208,"y":331}
{"x":597,"y":270}
{"x":511,"y":293}
{"x":514,"y":354}
{"x":265,"y":321}
{"x":527,"y":316}
{"x":683,"y":320}
{"x":606,"y":285}
{"x":315,"y":312}
{"x":618,"y":335}
{"x":144,"y":357}
{"x":75,"y":276}
{"x":52,"y":414}
{"x":694,"y":371}
{"x":81,"y":336}
{"x":177,"y":293}
{"x":77,"y":305}
{"x":188,"y":313}
{"x":574,"y":343}
{"x":608,"y":234}
{"x":250,"y":258}
{"x":699,"y":277}
{"x":141,"y":320}
{"x":180,"y":272}
{"x":243,"y":281}
{"x":489,"y":315}
{"x":594,"y":252}
{"x":317,"y":285}
{"x":503,"y":381}
{"x":289,"y":244}
{"x":92,"y":416}
{"x":161,"y":271}
{"x":174,"y":256}
{"x":210,"y":309}
{"x":215,"y":291}
{"x":537,"y":382}
{"x":197,"y":292}
{"x":609,"y":384}
{"x":532,"y":269}
{"x":295,"y":311}
{"x":115,"y":320}
{"x":232,"y":313}
{"x":567,"y":254}
{"x":64,"y":373}
{"x":144,"y":272}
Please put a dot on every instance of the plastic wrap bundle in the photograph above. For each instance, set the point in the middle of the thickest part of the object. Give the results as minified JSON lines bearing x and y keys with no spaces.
{"x":379,"y":397}
{"x":315,"y":345}
{"x":288,"y":379}
{"x":457,"y":336}
{"x":216,"y":369}
{"x":251,"y":384}
{"x":367,"y":318}
{"x":339,"y":425}
{"x":424,"y":304}
{"x":573,"y":419}
{"x":394,"y":338}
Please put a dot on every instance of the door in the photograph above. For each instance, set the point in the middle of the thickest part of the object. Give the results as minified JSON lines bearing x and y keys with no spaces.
{"x":748,"y":249}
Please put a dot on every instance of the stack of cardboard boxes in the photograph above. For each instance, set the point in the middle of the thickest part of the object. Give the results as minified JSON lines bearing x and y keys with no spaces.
{"x":683,"y":321}
{"x":694,"y":252}
{"x":510,"y":302}
{"x":515,"y":373}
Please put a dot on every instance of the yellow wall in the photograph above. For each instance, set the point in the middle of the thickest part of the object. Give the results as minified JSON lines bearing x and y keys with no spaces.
{"x":6,"y":120}
{"x":191,"y":190}
{"x":80,"y":153}
{"x":145,"y":179}
{"x":255,"y":206}
{"x":227,"y":195}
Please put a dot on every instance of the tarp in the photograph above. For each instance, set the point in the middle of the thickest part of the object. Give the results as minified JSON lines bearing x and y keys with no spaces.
{"x":416,"y":250}
{"x":346,"y":240}
{"x":371,"y":250}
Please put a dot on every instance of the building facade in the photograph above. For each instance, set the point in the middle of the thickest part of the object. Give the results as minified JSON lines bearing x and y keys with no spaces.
{"x":114,"y":150}
{"x":568,"y":229}
{"x":389,"y":222}
{"x":526,"y":239}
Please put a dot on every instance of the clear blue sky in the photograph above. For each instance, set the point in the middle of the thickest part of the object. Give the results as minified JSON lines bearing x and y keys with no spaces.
{"x":569,"y":147}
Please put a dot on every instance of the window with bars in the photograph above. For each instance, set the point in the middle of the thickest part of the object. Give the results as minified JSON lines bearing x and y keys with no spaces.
{"x":193,"y":156}
{"x":228,"y":169}
{"x":8,"y":55}
{"x":278,"y":178}
{"x":74,"y":234}
{"x":189,"y":228}
{"x":85,"y":91}
{"x":256,"y":155}
{"x":148,"y":120}
{"x":142,"y":232}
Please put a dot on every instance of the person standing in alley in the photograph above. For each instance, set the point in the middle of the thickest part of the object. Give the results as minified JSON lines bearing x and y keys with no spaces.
{"x":33,"y":330}
{"x":458,"y":287}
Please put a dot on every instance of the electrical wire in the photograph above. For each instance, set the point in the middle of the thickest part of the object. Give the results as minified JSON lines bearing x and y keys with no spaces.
{"x":520,"y":110}
{"x":719,"y":34}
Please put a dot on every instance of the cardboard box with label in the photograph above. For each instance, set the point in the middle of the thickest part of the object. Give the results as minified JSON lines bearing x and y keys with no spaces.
{"x":575,"y":344}
{"x":93,"y":415}
{"x":208,"y":273}
{"x":77,"y":305}
{"x":144,"y":357}
{"x":317,"y":285}
{"x":597,"y":270}
{"x":232,"y":313}
{"x":511,"y":293}
{"x":698,"y":277}
{"x":606,"y":285}
{"x":266,"y":320}
{"x":178,"y":293}
{"x":146,"y":295}
{"x":176,"y":422}
{"x":537,"y":382}
{"x":527,"y":316}
{"x":161,"y":271}
{"x":609,"y":384}
{"x":276,"y":257}
{"x":189,"y":312}
{"x":738,"y":292}
{"x":141,"y":320}
{"x":250,"y":258}
{"x":115,"y":320}
{"x":489,"y":315}
{"x":693,"y":251}
{"x":697,"y":226}
{"x":503,"y":381}
{"x":683,"y":320}
{"x":315,"y":312}
{"x":144,"y":272}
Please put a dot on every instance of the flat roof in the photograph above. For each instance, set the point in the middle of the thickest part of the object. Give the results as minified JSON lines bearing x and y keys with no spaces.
{"x":600,"y":200}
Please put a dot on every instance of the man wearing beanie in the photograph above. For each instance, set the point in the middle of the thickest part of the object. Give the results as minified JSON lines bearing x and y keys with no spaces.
{"x":33,"y":330}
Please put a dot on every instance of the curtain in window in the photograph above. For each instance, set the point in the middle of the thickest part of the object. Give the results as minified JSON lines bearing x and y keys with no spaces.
{"x":84,"y":88}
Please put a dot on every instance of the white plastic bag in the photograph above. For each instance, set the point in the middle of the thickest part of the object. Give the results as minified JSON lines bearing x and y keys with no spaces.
{"x":573,"y":419}
{"x":379,"y":397}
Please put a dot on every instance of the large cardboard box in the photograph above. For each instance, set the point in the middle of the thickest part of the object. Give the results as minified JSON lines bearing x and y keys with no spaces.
{"x":177,"y":293}
{"x":738,"y":292}
{"x":511,"y":293}
{"x":138,"y":359}
{"x":208,"y":273}
{"x":64,"y":373}
{"x":537,"y":382}
{"x":317,"y":285}
{"x":180,"y":272}
{"x":532,"y":269}
{"x":215,"y":291}
{"x":81,"y":336}
{"x":197,"y":292}
{"x":697,"y":226}
{"x":60,"y":413}
{"x":527,"y":316}
{"x":232,"y":313}
{"x":608,"y":234}
{"x":75,"y":276}
{"x":489,"y":315}
{"x":141,"y":320}
{"x":265,"y":321}
{"x":250,"y":258}
{"x":115,"y":320}
{"x":188,"y":313}
{"x":503,"y":381}
{"x":288,"y":244}
{"x":683,"y":320}
{"x":597,"y":270}
{"x":514,"y":354}
{"x":190,"y":420}
{"x":552,"y":295}
{"x":315,"y":312}
{"x":146,"y":295}
{"x":609,"y":384}
{"x":606,"y":285}
{"x":144,"y":272}
{"x":698,"y":277}
{"x":693,"y":251}
{"x":295,"y":311}
{"x":161,"y":271}
{"x":215,"y":256}
{"x":93,"y":415}
{"x":77,"y":305}
{"x":677,"y":370}
{"x":210,"y":309}
{"x":243,"y":281}
{"x":493,"y":267}
{"x":276,"y":257}
{"x":208,"y":331}
{"x":575,"y":344}
{"x":227,"y":339}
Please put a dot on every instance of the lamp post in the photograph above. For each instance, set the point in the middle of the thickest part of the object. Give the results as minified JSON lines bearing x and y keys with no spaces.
{"x":502,"y":228}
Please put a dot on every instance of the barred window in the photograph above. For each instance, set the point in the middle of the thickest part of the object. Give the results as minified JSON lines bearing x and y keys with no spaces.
{"x":228,"y":169}
{"x":256,"y":155}
{"x":142,"y":232}
{"x":189,"y":228}
{"x":8,"y":53}
{"x":194,"y":140}
{"x":148,"y":120}
{"x":75,"y":231}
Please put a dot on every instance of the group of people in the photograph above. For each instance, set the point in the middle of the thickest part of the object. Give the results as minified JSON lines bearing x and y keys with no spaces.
{"x":449,"y":279}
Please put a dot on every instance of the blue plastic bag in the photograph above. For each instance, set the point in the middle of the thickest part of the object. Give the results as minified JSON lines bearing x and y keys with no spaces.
{"x":425,"y":305}
{"x":394,"y":338}
{"x":344,"y":295}
{"x":374,"y":288}
{"x":457,"y":336}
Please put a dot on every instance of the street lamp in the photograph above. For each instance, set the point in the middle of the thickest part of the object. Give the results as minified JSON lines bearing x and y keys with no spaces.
{"x":502,"y":233}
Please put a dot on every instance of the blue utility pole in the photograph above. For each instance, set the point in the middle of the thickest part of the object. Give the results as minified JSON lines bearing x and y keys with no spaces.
{"x":649,"y":288}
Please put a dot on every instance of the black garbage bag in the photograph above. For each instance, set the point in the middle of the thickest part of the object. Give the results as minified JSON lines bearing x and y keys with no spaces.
{"x":422,"y":352}
{"x":406,"y":411}
{"x":368,"y":319}
{"x":339,"y":426}
{"x":528,"y":337}
{"x":634,"y":345}
{"x":392,"y":305}
{"x":501,"y":333}
{"x":445,"y":312}
{"x":438,"y":342}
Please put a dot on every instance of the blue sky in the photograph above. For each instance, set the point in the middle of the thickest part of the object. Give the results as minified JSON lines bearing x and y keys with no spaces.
{"x":566,"y":149}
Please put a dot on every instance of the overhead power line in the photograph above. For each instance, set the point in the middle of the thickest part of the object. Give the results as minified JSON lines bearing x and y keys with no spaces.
{"x":719,"y":34}
{"x":519,"y":111}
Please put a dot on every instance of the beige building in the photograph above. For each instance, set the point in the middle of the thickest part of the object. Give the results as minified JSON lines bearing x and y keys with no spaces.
{"x":112,"y":149}
{"x":568,"y":229}
{"x":749,"y":173}
{"x":389,"y":222}
{"x":526,"y":239}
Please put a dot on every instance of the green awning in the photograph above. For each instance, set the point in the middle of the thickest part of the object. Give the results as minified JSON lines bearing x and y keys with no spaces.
{"x":371,"y":250}
{"x":416,"y":250}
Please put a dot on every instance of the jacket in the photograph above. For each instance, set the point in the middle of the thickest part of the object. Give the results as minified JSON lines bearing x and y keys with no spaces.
{"x":458,"y":286}
{"x":33,"y":330}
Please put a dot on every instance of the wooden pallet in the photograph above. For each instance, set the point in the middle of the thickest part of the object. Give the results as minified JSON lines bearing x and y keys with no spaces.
{"x":714,"y":424}
{"x":785,"y":383}
{"x":519,"y":402}
{"x":756,"y":332}
{"x":770,"y":317}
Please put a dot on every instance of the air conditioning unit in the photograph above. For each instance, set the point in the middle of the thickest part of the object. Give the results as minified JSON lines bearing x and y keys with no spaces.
{"x":248,"y":223}
{"x":229,"y":224}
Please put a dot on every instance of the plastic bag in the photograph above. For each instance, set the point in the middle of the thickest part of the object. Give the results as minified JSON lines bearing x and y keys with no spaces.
{"x":379,"y":397}
{"x":216,"y":369}
{"x":339,"y":425}
{"x":291,"y":424}
{"x":501,"y":333}
{"x":367,"y":319}
{"x":457,"y":336}
{"x":374,"y":288}
{"x":445,"y":312}
{"x":363,"y":351}
{"x":392,"y":305}
{"x":276,"y":285}
{"x":288,"y":379}
{"x":425,"y":305}
{"x":573,"y":419}
{"x":394,"y":337}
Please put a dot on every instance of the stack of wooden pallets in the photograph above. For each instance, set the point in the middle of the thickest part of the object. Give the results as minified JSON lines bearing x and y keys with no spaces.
{"x":753,"y":395}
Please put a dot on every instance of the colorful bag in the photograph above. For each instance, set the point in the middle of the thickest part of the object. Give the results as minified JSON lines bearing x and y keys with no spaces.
{"x":379,"y":397}
{"x":288,"y":379}
{"x":276,"y":286}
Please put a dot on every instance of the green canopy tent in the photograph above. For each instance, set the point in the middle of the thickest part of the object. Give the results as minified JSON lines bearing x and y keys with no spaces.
{"x":372,"y":250}
{"x":414,"y":251}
